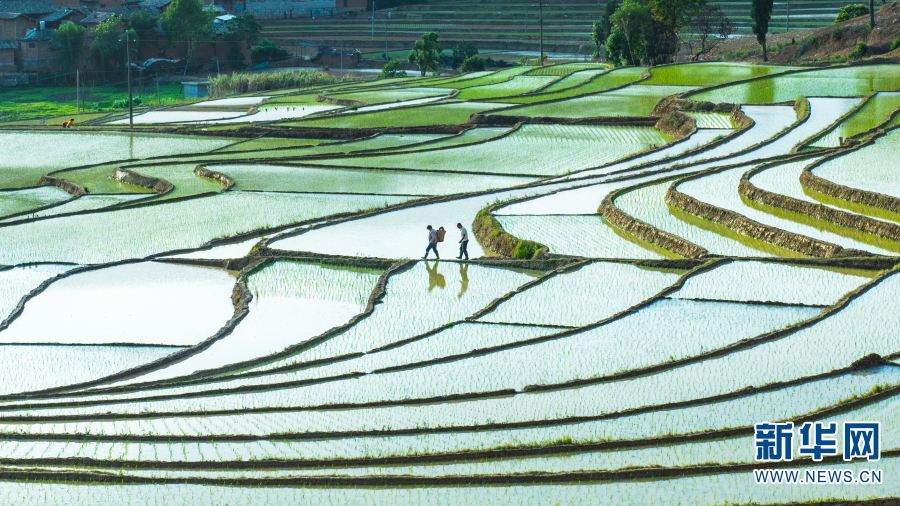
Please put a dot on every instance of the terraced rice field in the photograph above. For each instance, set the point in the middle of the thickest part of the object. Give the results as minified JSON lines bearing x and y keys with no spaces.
{"x":708,"y":74}
{"x":877,"y":110}
{"x":238,"y":314}
{"x":515,"y":86}
{"x":563,"y":69}
{"x":531,"y":150}
{"x":832,"y":82}
{"x":869,"y":169}
{"x":635,"y":100}
{"x":595,"y":84}
{"x":453,"y":112}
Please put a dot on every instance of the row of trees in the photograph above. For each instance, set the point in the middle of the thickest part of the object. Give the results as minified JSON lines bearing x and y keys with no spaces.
{"x":428,"y":55}
{"x":650,"y":32}
{"x":185,"y":24}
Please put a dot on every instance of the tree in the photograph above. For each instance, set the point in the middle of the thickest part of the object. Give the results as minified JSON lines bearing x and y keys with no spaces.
{"x":187,"y":23}
{"x":69,"y":39}
{"x":238,"y":31}
{"x":872,"y":14}
{"x":671,"y":17}
{"x":108,"y":52}
{"x":608,"y":10}
{"x":632,"y":24}
{"x":248,"y":26}
{"x":617,"y":49}
{"x":392,"y":68}
{"x":144,"y":25}
{"x":474,"y":64}
{"x":597,"y":36}
{"x":851,"y":11}
{"x":602,"y":27}
{"x":269,"y":51}
{"x":707,"y":28}
{"x":426,"y":53}
{"x":465,"y":50}
{"x":760,"y":13}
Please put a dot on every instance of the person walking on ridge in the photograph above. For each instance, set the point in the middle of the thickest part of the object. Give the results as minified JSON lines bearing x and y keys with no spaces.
{"x":432,"y":243}
{"x":463,"y":242}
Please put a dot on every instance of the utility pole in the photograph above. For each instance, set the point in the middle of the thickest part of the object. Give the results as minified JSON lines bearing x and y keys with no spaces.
{"x":385,"y":37}
{"x":787,"y":26}
{"x":373,"y":19}
{"x":77,"y":90}
{"x":130,"y":95}
{"x":342,"y":61}
{"x":541,"y":11}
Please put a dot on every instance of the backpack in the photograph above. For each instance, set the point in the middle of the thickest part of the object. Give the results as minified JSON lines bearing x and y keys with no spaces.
{"x":441,"y":233}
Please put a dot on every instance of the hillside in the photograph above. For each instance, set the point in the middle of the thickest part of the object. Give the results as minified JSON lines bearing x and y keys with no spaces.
{"x":501,"y":24}
{"x":834,"y":42}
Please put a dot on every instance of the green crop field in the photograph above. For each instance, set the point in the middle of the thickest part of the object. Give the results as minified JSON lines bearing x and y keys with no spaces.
{"x":228,"y":304}
{"x":45,"y":102}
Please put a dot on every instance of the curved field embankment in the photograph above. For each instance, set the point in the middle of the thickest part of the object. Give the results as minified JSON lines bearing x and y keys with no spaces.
{"x":825,"y":131}
{"x":841,"y":192}
{"x":678,"y":124}
{"x":854,"y":221}
{"x":743,"y":225}
{"x":156,"y":184}
{"x":646,"y":232}
{"x":510,"y":120}
{"x":340,"y":101}
{"x":855,"y":195}
{"x":494,"y":238}
{"x":63,"y":184}
{"x":211,"y":174}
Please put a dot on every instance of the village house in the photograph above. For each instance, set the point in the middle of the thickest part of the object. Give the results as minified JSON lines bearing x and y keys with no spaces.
{"x":36,"y":52}
{"x":14,"y":25}
{"x":19,"y":19}
{"x":58,"y":18}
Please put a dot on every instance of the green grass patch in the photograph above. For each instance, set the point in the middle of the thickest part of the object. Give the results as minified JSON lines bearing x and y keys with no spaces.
{"x":20,"y":103}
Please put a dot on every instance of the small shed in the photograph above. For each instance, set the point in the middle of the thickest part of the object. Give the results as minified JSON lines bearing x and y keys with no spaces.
{"x":196,"y":90}
{"x":331,"y":57}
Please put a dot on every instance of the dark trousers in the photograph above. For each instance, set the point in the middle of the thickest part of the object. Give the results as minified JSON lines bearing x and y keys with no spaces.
{"x":432,"y":247}
{"x":464,"y":249}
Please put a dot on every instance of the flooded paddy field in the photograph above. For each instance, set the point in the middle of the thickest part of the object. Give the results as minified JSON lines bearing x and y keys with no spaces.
{"x":229,"y":304}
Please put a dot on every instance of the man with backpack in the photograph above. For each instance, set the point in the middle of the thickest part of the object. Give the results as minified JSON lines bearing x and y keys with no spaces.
{"x":433,"y":239}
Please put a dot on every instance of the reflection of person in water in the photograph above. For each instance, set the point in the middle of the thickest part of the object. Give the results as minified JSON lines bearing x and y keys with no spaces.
{"x":464,"y":279}
{"x":434,"y":277}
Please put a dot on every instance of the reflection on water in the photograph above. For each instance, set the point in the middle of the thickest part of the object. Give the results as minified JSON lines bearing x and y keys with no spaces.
{"x":464,"y":279}
{"x":434,"y":277}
